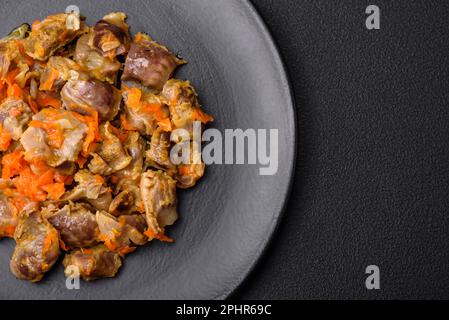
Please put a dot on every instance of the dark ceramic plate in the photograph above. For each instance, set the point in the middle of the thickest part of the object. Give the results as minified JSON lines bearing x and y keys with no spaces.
{"x":228,"y":219}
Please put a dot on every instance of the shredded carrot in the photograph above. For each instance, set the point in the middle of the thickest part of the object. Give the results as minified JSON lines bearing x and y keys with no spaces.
{"x":5,"y":139}
{"x":35,"y":25}
{"x":93,"y":134}
{"x":19,"y":202}
{"x":81,"y":161}
{"x":126,"y":250}
{"x":45,"y":100}
{"x":161,"y":236}
{"x":165,"y":125}
{"x":46,"y":178}
{"x":12,"y":164}
{"x":28,"y":60}
{"x":8,"y":231}
{"x":15,"y":112}
{"x":122,"y":136}
{"x":14,"y":91}
{"x":86,"y":251}
{"x":125,"y":124}
{"x":33,"y":105}
{"x":139,"y":37}
{"x":133,"y":97}
{"x":39,"y":49}
{"x":63,"y":245}
{"x":155,"y":109}
{"x":99,"y":179}
{"x":11,"y":76}
{"x":51,"y":238}
{"x":55,"y":134}
{"x":54,"y":190}
{"x":199,"y":115}
{"x":50,"y":80}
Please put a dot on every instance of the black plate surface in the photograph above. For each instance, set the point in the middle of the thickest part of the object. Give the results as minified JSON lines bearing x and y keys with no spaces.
{"x":227,"y":220}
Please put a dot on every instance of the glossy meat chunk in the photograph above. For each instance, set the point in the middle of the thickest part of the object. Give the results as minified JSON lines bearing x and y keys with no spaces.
{"x":144,"y":112}
{"x":100,"y":67}
{"x":158,"y":192}
{"x":91,"y":188}
{"x":111,"y":35}
{"x":57,"y":72}
{"x":158,"y":156}
{"x":119,"y":234}
{"x":93,"y":263}
{"x":183,"y":104}
{"x":75,"y":222}
{"x":54,"y":135}
{"x":8,"y":217}
{"x":37,"y":247}
{"x":14,"y":116}
{"x":149,"y":64}
{"x":110,"y":156}
{"x":93,"y":94}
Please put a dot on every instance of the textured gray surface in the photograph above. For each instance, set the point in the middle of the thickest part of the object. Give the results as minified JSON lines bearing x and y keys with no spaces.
{"x":372,"y":178}
{"x":227,"y":219}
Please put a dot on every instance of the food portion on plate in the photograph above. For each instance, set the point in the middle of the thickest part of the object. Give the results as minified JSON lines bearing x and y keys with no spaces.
{"x":86,"y":122}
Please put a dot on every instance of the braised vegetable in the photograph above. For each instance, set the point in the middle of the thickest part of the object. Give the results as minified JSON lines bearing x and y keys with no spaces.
{"x":87,"y":127}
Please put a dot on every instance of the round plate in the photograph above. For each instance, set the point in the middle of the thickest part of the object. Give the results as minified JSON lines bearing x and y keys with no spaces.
{"x":227,"y":220}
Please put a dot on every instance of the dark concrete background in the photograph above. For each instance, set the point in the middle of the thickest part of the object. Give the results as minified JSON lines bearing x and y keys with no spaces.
{"x":372,"y":179}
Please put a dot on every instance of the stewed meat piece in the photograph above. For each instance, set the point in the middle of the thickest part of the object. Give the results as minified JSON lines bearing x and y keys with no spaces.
{"x":111,"y":35}
{"x":98,"y":66}
{"x":75,"y":222}
{"x":183,"y":103}
{"x":54,"y":135}
{"x":119,"y":234}
{"x":93,"y":94}
{"x":110,"y":156}
{"x":58,"y":71}
{"x":149,"y":64}
{"x":93,"y":263}
{"x":158,"y":192}
{"x":91,"y":188}
{"x":37,"y":247}
{"x":144,"y":112}
{"x":15,"y":114}
{"x":158,"y":156}
{"x":8,"y":217}
{"x":51,"y":34}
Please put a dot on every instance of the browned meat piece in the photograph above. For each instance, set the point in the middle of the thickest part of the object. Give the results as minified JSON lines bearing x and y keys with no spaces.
{"x":8,"y":217}
{"x":158,"y":192}
{"x":75,"y":222}
{"x":51,"y":34}
{"x":100,"y":67}
{"x":58,"y":71}
{"x":119,"y":234}
{"x":146,"y":114}
{"x":14,"y":116}
{"x":158,"y":156}
{"x":94,"y":94}
{"x":183,"y":103}
{"x":135,"y":147}
{"x":149,"y":64}
{"x":91,"y":188}
{"x":37,"y":247}
{"x":111,"y":35}
{"x":110,"y":156}
{"x":93,"y":263}
{"x":188,"y":174}
{"x":8,"y":52}
{"x":37,"y":143}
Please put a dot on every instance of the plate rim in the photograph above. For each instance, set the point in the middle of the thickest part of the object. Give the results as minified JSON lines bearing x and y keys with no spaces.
{"x":279,"y":62}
